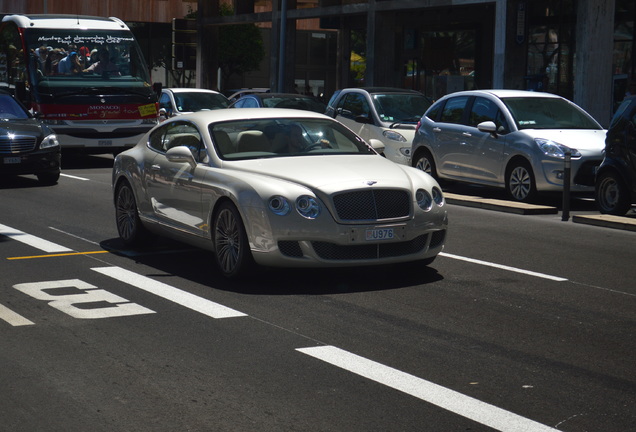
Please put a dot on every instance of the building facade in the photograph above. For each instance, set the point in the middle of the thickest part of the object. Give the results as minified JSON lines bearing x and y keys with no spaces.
{"x":581,"y":49}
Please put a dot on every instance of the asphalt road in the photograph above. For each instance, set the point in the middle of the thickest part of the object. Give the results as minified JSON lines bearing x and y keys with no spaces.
{"x":524,"y":323}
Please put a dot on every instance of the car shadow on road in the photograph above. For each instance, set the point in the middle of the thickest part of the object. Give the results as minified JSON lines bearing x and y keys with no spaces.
{"x":76,"y":160}
{"x":197,"y":265}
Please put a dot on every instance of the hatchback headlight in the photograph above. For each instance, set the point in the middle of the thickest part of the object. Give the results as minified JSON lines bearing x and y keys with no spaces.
{"x":553,"y":149}
{"x":394,"y":136}
{"x":308,"y":207}
{"x":49,"y":141}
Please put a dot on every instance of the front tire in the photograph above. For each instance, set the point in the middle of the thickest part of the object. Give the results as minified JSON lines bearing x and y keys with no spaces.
{"x":232,"y":250}
{"x":612,"y":195}
{"x":48,"y":178}
{"x":129,"y":226}
{"x":520,"y":183}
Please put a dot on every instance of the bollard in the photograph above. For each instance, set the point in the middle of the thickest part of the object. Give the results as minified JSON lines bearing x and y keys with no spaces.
{"x":566,"y":186}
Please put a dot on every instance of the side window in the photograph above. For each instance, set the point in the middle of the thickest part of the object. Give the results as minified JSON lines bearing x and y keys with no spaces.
{"x":355,"y":105}
{"x":164,"y":102}
{"x":433,"y":113}
{"x":179,"y":134}
{"x":481,"y":111}
{"x":454,"y":110}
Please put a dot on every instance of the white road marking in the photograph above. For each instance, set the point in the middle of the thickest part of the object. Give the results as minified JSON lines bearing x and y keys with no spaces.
{"x":31,"y":240}
{"x":183,"y":298}
{"x":435,"y":394}
{"x":13,"y":318}
{"x":504,"y":267}
{"x":74,"y":177}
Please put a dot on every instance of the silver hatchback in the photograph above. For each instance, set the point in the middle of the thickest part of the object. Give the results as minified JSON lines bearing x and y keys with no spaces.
{"x":510,"y":139}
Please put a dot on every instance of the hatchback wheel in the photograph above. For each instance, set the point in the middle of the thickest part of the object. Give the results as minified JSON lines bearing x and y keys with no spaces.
{"x":232,"y":250}
{"x":520,"y":182}
{"x":612,"y":196}
{"x":424,"y":161}
{"x":129,"y":226}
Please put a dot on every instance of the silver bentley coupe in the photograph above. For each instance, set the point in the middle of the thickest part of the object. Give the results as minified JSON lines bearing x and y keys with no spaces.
{"x":279,"y":188}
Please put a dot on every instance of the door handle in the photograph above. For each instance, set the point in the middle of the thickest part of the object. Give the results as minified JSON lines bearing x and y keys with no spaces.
{"x":467,"y":134}
{"x":436,"y":129}
{"x":155,"y":167}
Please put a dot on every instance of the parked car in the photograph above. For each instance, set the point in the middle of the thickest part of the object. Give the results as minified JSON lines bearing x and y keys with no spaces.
{"x":277,"y":187}
{"x":387,"y":114}
{"x":280,"y":100}
{"x":509,"y":139}
{"x":177,"y":101}
{"x":27,"y":146}
{"x":616,"y":177}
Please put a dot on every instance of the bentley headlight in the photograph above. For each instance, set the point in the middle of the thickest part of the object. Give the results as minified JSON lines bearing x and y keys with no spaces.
{"x":49,"y":141}
{"x":424,"y":199}
{"x":279,"y":205}
{"x":438,"y":197}
{"x":553,"y":149}
{"x":394,"y":136}
{"x":308,"y":207}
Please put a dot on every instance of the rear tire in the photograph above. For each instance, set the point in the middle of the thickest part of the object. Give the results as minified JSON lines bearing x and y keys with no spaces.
{"x":612,"y":195}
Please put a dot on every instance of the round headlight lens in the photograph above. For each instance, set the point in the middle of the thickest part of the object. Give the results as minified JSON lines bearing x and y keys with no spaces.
{"x":279,"y":205}
{"x":438,"y":197}
{"x":424,"y":199}
{"x":308,"y":207}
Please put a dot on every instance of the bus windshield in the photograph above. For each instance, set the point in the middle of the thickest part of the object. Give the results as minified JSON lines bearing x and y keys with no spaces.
{"x":64,"y":60}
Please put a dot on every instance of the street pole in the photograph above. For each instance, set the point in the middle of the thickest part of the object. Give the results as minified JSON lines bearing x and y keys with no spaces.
{"x":566,"y":185}
{"x":281,"y":46}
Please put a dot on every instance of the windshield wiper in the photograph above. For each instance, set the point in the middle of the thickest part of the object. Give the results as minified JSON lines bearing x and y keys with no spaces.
{"x":408,"y":120}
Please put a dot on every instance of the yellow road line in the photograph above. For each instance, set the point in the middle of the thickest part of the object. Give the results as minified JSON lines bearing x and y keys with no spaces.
{"x":58,"y":255}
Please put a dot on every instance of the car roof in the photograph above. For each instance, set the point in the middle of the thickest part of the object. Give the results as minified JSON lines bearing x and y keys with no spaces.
{"x":189,"y":90}
{"x":222,"y":115}
{"x":504,"y":93}
{"x":381,"y":90}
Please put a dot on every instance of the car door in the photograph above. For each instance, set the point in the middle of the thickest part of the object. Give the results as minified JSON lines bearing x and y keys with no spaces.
{"x":485,"y":150}
{"x":353,"y":105}
{"x":174,"y":188}
{"x":448,"y":139}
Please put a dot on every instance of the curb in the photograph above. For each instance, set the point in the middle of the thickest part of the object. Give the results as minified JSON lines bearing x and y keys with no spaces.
{"x":608,"y":221}
{"x":499,"y":205}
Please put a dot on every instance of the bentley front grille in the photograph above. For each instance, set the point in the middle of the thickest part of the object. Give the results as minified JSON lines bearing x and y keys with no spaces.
{"x":372,"y":204}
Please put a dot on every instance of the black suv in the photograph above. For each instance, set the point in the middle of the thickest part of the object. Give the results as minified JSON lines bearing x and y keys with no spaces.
{"x":26,"y":145}
{"x":616,"y":176}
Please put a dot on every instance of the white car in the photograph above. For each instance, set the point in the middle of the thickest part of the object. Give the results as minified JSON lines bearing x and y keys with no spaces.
{"x":512,"y":139}
{"x":278,"y":187}
{"x":177,"y":101}
{"x":386,"y":114}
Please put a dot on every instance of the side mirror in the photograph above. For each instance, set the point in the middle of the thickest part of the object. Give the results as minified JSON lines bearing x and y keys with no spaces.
{"x":181,"y":154}
{"x":363,"y":119}
{"x":377,"y":145}
{"x":488,"y":126}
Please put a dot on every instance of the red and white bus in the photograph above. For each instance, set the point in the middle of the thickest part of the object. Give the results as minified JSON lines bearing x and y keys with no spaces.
{"x":52,"y":64}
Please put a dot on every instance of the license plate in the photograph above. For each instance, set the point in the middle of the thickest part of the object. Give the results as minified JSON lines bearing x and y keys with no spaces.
{"x":12,"y":160}
{"x":376,"y":234}
{"x":105,"y":143}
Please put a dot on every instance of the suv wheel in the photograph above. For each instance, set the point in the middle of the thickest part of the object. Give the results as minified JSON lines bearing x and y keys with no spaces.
{"x":612,"y":196}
